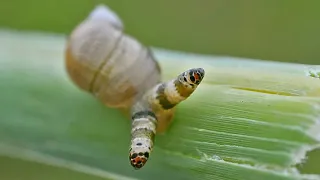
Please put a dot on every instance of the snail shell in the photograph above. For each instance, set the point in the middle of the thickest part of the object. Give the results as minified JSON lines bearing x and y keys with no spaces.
{"x":122,"y":73}
{"x":107,"y":63}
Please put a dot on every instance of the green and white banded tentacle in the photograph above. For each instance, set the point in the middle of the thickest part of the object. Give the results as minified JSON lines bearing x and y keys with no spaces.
{"x":161,"y":98}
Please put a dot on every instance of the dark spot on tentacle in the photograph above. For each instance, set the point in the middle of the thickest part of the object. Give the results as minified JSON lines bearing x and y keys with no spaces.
{"x":134,"y":155}
{"x":146,"y":154}
{"x":139,"y":160}
{"x":185,"y":79}
{"x":139,"y":144}
{"x":192,"y":78}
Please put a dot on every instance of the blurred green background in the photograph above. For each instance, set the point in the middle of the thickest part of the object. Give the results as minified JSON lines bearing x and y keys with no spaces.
{"x":285,"y":30}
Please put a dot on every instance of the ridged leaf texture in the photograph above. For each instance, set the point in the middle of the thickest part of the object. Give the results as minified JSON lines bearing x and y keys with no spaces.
{"x":248,"y":119}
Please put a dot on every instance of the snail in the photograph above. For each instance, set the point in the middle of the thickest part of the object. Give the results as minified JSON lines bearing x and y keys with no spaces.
{"x":122,"y":73}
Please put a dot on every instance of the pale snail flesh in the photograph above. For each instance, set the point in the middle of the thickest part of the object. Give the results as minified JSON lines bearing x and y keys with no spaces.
{"x":122,"y":73}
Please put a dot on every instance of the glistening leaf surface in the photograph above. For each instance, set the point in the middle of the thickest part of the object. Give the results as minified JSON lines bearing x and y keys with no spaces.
{"x":243,"y":122}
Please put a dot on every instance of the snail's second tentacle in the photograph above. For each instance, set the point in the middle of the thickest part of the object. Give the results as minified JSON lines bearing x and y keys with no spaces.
{"x":153,"y":104}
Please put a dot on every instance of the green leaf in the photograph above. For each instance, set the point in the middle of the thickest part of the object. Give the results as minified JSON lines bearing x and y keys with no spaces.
{"x":249,"y":119}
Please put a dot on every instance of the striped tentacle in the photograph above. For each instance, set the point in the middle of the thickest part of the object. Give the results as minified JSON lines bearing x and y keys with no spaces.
{"x":145,"y":113}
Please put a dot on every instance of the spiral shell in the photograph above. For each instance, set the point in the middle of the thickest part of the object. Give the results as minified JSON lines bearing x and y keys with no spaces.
{"x":109,"y":64}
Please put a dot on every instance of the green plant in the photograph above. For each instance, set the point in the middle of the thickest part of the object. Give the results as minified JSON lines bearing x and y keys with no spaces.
{"x":248,"y":120}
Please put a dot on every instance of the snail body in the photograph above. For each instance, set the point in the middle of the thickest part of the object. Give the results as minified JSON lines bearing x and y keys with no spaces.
{"x":122,"y":73}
